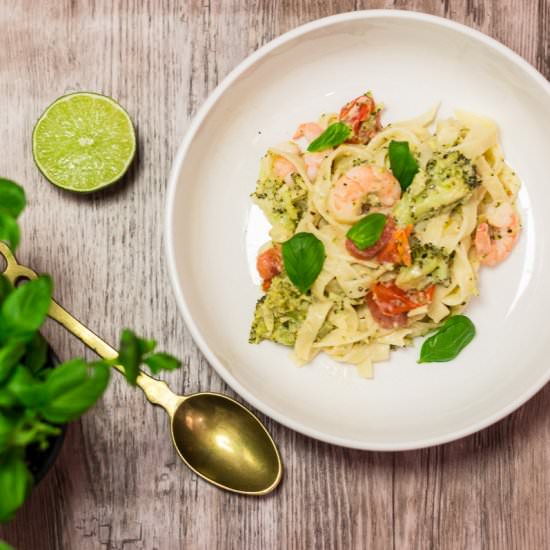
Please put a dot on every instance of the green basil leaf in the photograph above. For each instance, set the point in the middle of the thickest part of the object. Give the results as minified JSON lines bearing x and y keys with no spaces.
{"x":65,"y":376}
{"x":9,"y":229}
{"x":451,"y":338}
{"x":26,"y":388}
{"x":24,"y":310}
{"x":72,"y":388}
{"x":36,"y":354}
{"x":7,"y":400}
{"x":334,"y":135}
{"x":31,"y":430}
{"x":146,"y":346}
{"x":15,"y":484}
{"x":402,"y":163}
{"x":129,"y":355}
{"x":367,"y":230}
{"x":132,"y":352}
{"x":5,"y":288}
{"x":303,"y":256}
{"x":5,"y":546}
{"x":12,"y":197}
{"x":7,"y":428}
{"x":162,"y":361}
{"x":10,"y":354}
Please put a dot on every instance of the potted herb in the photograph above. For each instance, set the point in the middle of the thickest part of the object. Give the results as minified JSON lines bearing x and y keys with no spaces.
{"x":39,"y":395}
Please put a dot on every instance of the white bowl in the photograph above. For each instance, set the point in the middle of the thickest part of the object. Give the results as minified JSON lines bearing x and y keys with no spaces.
{"x":409,"y":61}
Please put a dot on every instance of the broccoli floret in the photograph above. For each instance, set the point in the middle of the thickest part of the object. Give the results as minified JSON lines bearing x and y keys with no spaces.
{"x":283,"y":203}
{"x":430,"y":265}
{"x":450,"y":178}
{"x":279,"y":313}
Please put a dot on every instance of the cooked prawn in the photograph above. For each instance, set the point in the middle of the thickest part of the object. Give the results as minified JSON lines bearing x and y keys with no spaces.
{"x":496,"y":237}
{"x":308,"y":130}
{"x":313,"y":161}
{"x":358,"y":186}
{"x":284,"y":168}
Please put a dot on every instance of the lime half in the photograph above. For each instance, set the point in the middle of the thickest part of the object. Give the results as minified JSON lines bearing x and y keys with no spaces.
{"x":83,"y":142}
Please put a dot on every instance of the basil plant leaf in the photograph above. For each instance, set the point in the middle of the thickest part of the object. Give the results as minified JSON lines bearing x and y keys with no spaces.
{"x":162,"y":361}
{"x":15,"y":484}
{"x":7,"y":400}
{"x":451,"y":338}
{"x":25,"y":428}
{"x":145,"y":346}
{"x":303,"y":257}
{"x":129,"y":355}
{"x":5,"y":546}
{"x":5,"y":288}
{"x":29,"y":391}
{"x":10,"y":354}
{"x":131,"y":352}
{"x":24,"y":310}
{"x":36,"y":354}
{"x":402,"y":163}
{"x":334,"y":135}
{"x":33,"y":431}
{"x":72,"y":388}
{"x":7,"y":427}
{"x":12,"y":197}
{"x":9,"y":229}
{"x":367,"y":230}
{"x":134,"y":351}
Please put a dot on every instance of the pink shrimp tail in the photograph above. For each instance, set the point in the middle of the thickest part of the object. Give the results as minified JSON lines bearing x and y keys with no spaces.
{"x":283,"y":167}
{"x":308,"y":130}
{"x":483,"y":240}
{"x":313,"y":161}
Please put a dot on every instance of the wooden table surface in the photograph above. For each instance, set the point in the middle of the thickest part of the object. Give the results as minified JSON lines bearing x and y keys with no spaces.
{"x":118,"y":483}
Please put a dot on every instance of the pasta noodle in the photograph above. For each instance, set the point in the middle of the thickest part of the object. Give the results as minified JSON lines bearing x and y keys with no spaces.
{"x":458,"y":213}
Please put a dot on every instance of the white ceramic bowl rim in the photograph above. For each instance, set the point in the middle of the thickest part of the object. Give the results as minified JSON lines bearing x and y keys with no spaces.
{"x":172,"y":185}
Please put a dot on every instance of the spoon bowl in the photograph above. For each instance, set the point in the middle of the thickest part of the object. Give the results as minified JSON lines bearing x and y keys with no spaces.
{"x":225,"y":443}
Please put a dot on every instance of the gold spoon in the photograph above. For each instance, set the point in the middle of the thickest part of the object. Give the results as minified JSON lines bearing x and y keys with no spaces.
{"x":217,"y":437}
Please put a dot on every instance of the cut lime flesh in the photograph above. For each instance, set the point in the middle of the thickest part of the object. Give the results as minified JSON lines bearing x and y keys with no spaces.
{"x":83,"y":142}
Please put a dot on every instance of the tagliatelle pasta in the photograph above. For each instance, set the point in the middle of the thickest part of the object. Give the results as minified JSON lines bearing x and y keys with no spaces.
{"x":457,"y":212}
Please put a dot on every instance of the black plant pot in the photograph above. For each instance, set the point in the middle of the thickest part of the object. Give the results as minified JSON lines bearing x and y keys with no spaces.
{"x":40,"y":461}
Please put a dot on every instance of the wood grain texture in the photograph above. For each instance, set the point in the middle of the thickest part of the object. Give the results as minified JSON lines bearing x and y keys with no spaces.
{"x":118,"y":484}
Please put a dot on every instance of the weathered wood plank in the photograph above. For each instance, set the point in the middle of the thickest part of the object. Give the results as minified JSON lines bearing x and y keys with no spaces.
{"x":118,"y":483}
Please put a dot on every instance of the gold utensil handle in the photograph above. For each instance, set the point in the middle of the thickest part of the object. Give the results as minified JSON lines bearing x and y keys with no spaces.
{"x":157,"y":391}
{"x":83,"y":333}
